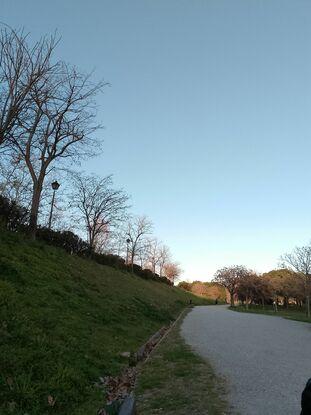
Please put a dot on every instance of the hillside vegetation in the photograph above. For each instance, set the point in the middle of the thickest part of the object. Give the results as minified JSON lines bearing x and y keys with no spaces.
{"x":64,"y":321}
{"x":209,"y":290}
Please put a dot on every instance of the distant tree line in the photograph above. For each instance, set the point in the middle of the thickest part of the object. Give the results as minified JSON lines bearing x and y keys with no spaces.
{"x":48,"y":124}
{"x":211,"y":290}
{"x":291,"y":284}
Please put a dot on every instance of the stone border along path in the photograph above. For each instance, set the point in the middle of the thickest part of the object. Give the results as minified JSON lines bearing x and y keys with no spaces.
{"x":265,"y":360}
{"x":128,"y":406}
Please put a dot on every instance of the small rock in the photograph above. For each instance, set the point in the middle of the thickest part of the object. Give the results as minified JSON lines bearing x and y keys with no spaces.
{"x":125,"y":354}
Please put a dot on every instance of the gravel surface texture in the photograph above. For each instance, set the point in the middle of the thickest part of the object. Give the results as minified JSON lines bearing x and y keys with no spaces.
{"x":266,"y":360}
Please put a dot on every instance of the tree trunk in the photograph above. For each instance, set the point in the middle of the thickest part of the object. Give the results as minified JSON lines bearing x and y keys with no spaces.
{"x":246,"y":302}
{"x":132,"y":261}
{"x":308,"y":305}
{"x":232,"y":299}
{"x":91,"y":242}
{"x":35,"y":203}
{"x":263,"y":303}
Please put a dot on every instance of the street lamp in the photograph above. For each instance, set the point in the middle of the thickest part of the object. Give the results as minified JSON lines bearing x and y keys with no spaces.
{"x":55,"y":185}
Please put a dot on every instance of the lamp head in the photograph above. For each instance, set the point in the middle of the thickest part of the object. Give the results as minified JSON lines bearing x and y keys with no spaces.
{"x":55,"y":185}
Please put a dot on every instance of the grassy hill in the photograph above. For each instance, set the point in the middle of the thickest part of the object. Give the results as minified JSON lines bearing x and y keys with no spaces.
{"x":211,"y":290}
{"x":64,"y":321}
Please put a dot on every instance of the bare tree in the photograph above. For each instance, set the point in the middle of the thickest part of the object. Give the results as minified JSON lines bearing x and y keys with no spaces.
{"x":22,"y":68}
{"x":299,"y":260}
{"x":164,"y":259}
{"x":142,"y":255}
{"x":60,"y":126}
{"x":153,"y":253}
{"x":229,"y":277}
{"x":100,"y":206}
{"x":116,"y":243}
{"x":137,"y":229}
{"x":172,"y":270}
{"x":15,"y":182}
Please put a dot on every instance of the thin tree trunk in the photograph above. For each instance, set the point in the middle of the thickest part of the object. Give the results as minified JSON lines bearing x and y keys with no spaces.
{"x":132,"y":261}
{"x":308,"y":305}
{"x":35,"y":203}
{"x":232,"y":299}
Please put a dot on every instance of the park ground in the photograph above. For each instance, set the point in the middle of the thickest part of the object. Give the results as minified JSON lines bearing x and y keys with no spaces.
{"x":177,"y":381}
{"x":65,"y":321}
{"x":265,"y":360}
{"x":218,"y":362}
{"x":291,"y":312}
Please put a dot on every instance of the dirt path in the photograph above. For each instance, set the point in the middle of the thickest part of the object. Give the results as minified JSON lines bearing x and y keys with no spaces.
{"x":266,"y":360}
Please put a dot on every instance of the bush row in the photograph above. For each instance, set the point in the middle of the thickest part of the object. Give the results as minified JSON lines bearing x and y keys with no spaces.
{"x":15,"y":218}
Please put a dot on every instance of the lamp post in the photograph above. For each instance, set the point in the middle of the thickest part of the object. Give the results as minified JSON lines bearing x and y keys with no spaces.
{"x":127,"y":250}
{"x":55,"y":185}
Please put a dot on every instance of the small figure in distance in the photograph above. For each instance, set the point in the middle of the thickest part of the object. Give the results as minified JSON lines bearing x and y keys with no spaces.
{"x":275,"y":306}
{"x":190,"y":301}
{"x":306,"y":399}
{"x":216,"y":301}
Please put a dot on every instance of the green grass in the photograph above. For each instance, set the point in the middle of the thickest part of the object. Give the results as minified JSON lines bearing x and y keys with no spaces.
{"x":176,"y":381}
{"x":64,"y":321}
{"x":291,"y":313}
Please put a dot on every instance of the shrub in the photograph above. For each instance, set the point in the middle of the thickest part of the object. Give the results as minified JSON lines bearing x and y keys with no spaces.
{"x":147,"y":274}
{"x":12,"y":216}
{"x":109,"y":259}
{"x":67,"y":240}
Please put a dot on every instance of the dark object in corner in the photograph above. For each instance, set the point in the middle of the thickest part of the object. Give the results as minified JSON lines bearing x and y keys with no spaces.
{"x":306,"y":399}
{"x":128,"y":406}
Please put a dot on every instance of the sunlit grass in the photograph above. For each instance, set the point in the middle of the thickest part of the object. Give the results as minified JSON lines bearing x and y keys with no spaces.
{"x":292,"y":312}
{"x":63,"y":323}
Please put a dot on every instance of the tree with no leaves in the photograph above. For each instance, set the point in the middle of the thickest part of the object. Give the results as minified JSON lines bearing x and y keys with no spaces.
{"x":22,"y":68}
{"x":164,"y":258}
{"x":153,"y":254}
{"x":137,"y":229}
{"x":15,"y":183}
{"x":101,"y":207}
{"x":172,"y":270}
{"x":229,"y":277}
{"x":299,"y":261}
{"x":58,"y":123}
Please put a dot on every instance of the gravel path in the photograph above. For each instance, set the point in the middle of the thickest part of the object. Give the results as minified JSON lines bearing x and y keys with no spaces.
{"x":266,"y":360}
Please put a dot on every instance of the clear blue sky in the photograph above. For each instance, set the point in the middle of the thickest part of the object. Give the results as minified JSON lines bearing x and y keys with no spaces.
{"x":207,"y":118}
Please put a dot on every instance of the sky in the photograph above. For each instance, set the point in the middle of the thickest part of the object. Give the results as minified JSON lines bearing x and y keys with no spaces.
{"x":207,"y":117}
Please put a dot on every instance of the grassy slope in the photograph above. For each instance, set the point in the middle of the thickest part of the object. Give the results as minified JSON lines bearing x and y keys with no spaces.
{"x":291,"y":313}
{"x":63,"y":323}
